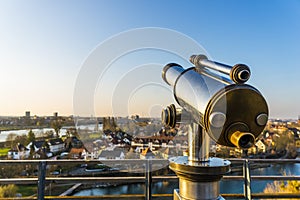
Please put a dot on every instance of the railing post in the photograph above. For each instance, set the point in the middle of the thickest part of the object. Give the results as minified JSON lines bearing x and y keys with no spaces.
{"x":148,"y":182}
{"x":247,"y":179}
{"x":41,"y":180}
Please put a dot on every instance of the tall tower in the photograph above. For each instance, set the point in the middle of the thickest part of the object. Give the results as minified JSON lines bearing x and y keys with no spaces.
{"x":55,"y":114}
{"x":96,"y":125}
{"x":27,"y":114}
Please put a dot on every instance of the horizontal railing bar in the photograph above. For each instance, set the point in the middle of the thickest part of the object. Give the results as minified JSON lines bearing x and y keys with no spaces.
{"x":19,"y":181}
{"x":126,"y":196}
{"x":130,"y":179}
{"x":276,"y":195}
{"x":262,"y":177}
{"x":111,"y":196}
{"x":130,"y":161}
{"x":263,"y":195}
{"x":230,"y":196}
{"x":69,"y":161}
{"x":122,"y":196}
{"x":265,"y":160}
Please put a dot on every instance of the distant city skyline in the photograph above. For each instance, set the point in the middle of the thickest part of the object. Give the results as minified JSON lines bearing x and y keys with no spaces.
{"x":43,"y":45}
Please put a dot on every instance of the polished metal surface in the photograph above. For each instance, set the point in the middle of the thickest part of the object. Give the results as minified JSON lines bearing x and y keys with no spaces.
{"x":205,"y":98}
{"x":213,"y":167}
{"x":238,"y":73}
{"x":247,"y":180}
{"x":262,"y":119}
{"x":169,"y":116}
{"x":176,"y":195}
{"x":242,"y":140}
{"x":198,"y":180}
{"x":202,"y":61}
{"x":217,"y":119}
{"x":198,"y":143}
{"x":193,"y":92}
{"x":171,"y":72}
{"x":243,"y":75}
{"x":198,"y":190}
{"x":231,"y":114}
{"x":221,"y":79}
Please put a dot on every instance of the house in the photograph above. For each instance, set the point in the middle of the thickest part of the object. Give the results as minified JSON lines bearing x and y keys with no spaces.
{"x":168,"y":152}
{"x":36,"y":145}
{"x":56,"y":145}
{"x":147,"y":154}
{"x":261,"y":146}
{"x":42,"y":153}
{"x":72,"y":142}
{"x":77,"y":152}
{"x":40,"y":149}
{"x":111,"y":155}
{"x":297,"y":143}
{"x":19,"y":152}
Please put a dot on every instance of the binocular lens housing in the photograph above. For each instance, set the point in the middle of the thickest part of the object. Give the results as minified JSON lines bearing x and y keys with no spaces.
{"x":232,"y":114}
{"x":242,"y":140}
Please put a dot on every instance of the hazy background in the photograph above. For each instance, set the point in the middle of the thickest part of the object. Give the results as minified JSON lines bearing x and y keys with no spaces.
{"x":44,"y":43}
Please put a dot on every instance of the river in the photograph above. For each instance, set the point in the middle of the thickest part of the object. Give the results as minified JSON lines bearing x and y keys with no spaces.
{"x":40,"y":132}
{"x":168,"y":187}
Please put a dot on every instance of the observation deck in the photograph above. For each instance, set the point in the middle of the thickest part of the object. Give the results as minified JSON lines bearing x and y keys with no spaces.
{"x":43,"y":180}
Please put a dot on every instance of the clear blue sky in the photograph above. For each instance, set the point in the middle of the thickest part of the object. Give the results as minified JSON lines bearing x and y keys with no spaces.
{"x":44,"y":43}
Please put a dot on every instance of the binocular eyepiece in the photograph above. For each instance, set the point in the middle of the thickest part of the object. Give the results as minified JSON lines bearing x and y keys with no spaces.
{"x":231,"y":112}
{"x":239,"y":73}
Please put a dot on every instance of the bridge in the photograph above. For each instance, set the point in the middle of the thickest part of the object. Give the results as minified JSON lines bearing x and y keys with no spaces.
{"x":42,"y":179}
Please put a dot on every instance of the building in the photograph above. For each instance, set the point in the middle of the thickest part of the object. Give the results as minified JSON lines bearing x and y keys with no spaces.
{"x":147,"y":154}
{"x":111,"y":155}
{"x":19,"y":152}
{"x":168,"y":152}
{"x":36,"y":145}
{"x":73,"y":142}
{"x":297,"y":144}
{"x":40,"y":149}
{"x":261,"y":146}
{"x":56,"y":145}
{"x":55,"y":115}
{"x":27,"y":114}
{"x":77,"y":153}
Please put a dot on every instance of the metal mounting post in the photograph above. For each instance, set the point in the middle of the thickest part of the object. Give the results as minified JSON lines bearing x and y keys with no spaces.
{"x":198,"y":143}
{"x":247,"y":180}
{"x":199,"y":175}
{"x":148,"y":180}
{"x":41,"y":180}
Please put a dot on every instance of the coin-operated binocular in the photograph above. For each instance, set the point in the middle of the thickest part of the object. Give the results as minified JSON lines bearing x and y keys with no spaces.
{"x":218,"y":105}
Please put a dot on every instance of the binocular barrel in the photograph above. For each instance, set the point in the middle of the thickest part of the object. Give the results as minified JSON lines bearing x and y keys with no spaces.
{"x":239,"y":73}
{"x":232,"y":114}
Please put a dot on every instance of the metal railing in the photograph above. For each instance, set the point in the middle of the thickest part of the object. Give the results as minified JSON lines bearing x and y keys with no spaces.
{"x":42,"y":179}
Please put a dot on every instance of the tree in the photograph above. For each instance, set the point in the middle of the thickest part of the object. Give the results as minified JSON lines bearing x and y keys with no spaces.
{"x":20,"y":139}
{"x":30,"y":137}
{"x":283,"y":187}
{"x":72,"y":132}
{"x":282,"y":141}
{"x":32,"y":150}
{"x":15,"y":139}
{"x":8,"y":190}
{"x":291,"y":186}
{"x":10,"y":138}
{"x":56,"y":125}
{"x":49,"y":134}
